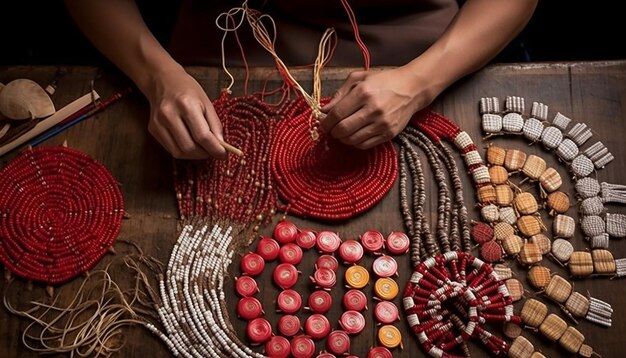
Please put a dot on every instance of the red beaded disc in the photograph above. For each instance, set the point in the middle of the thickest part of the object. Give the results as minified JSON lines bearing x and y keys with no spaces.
{"x":278,"y":347}
{"x":354,"y":300}
{"x":327,"y":261}
{"x":481,"y":233}
{"x":285,"y":276}
{"x":385,"y":266}
{"x":246,"y":286}
{"x":290,"y":253}
{"x":289,"y":301}
{"x":324,"y":277}
{"x":289,"y":325}
{"x":372,"y":241}
{"x":352,"y":322}
{"x":491,"y":252}
{"x":326,"y":179}
{"x":252,"y":264}
{"x":285,"y":232}
{"x":259,"y":330}
{"x":302,"y":347}
{"x":317,"y":326}
{"x":268,"y":248}
{"x":397,"y":243}
{"x":249,"y":308}
{"x":320,"y":301}
{"x":351,"y":251}
{"x":328,"y":241}
{"x":338,"y":342}
{"x":386,"y":312}
{"x":306,"y":239}
{"x":60,"y":212}
{"x":379,"y":352}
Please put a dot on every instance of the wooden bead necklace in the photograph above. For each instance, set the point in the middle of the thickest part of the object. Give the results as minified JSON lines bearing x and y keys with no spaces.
{"x":60,"y":212}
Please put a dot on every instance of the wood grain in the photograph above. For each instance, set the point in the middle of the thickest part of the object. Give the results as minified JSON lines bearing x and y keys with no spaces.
{"x":589,"y":92}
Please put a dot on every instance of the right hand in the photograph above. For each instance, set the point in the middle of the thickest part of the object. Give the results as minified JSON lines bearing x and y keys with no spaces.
{"x":182,"y":117}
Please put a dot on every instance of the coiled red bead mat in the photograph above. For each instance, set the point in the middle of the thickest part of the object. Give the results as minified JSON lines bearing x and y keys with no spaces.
{"x":60,"y":211}
{"x":326,"y":179}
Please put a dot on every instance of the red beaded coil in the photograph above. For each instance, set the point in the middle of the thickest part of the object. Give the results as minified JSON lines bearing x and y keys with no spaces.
{"x":326,"y":179}
{"x":448,"y":300}
{"x":60,"y":212}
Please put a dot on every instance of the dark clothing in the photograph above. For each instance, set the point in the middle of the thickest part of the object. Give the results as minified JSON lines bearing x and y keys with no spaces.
{"x":394,"y":31}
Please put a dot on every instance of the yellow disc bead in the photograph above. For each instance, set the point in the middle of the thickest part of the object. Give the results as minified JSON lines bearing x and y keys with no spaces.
{"x":357,"y":276}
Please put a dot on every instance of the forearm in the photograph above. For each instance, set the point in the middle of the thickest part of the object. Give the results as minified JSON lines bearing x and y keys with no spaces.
{"x":117,"y":29}
{"x":481,"y":29}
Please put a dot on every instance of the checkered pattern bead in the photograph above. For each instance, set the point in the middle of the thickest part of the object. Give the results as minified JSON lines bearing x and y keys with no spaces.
{"x":562,"y":250}
{"x":530,"y":254}
{"x":550,"y":180}
{"x":529,"y":225}
{"x":526,"y":204}
{"x":521,"y":348}
{"x":512,"y":122}
{"x":515,"y":288}
{"x":512,"y":245}
{"x":567,"y":150}
{"x":563,"y":226}
{"x":596,"y":150}
{"x":553,"y":327}
{"x":514,"y":104}
{"x":492,"y":123}
{"x":514,"y":159}
{"x":539,"y":277}
{"x":600,"y":241}
{"x":532,"y":129}
{"x":559,"y":289}
{"x":581,"y":166}
{"x":616,"y":225}
{"x":571,"y":340}
{"x":504,"y":272}
{"x":507,"y":214}
{"x":495,"y":155}
{"x":558,"y":202}
{"x":503,"y":230}
{"x":539,"y":111}
{"x":504,"y":195}
{"x":580,"y":133}
{"x":534,"y":167}
{"x":498,"y":174}
{"x":603,"y":161}
{"x":560,"y":121}
{"x":587,"y":187}
{"x":490,"y":213}
{"x":486,"y":194}
{"x":481,"y":175}
{"x":592,"y":225}
{"x":489,"y":105}
{"x":534,"y":312}
{"x":472,"y":158}
{"x":551,"y":137}
{"x":577,"y":304}
{"x":591,"y":206}
{"x":463,"y":140}
{"x":543,"y":242}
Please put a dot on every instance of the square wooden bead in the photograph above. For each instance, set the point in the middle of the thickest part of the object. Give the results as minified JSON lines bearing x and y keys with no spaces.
{"x":495,"y":155}
{"x":567,"y":150}
{"x":562,"y":250}
{"x":530,"y":254}
{"x":563,"y":226}
{"x":525,"y":204}
{"x":492,"y":123}
{"x":560,"y":121}
{"x":508,"y":215}
{"x":550,"y":180}
{"x":532,"y":129}
{"x":603,"y":261}
{"x":534,"y":312}
{"x":616,"y":225}
{"x":577,"y":304}
{"x":504,"y":195}
{"x":503,"y":230}
{"x":498,"y":174}
{"x":558,"y":289}
{"x":512,"y":245}
{"x":558,"y":202}
{"x":587,"y":187}
{"x":553,"y":327}
{"x":580,"y":264}
{"x":551,"y":137}
{"x":529,"y":225}
{"x":516,"y":289}
{"x":486,"y":194}
{"x":514,"y":159}
{"x":534,"y":167}
{"x":512,"y":122}
{"x":539,"y":276}
{"x":571,"y":340}
{"x":521,"y":348}
{"x":543,"y":242}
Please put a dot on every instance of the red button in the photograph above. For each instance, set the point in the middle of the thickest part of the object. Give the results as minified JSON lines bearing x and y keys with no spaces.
{"x":325,"y":355}
{"x":328,"y":241}
{"x":352,"y":322}
{"x":324,"y":277}
{"x":290,"y":253}
{"x":351,"y":251}
{"x":379,"y":352}
{"x":278,"y":347}
{"x":385,"y":266}
{"x":285,"y":276}
{"x":306,"y":239}
{"x":327,"y":261}
{"x":354,"y":300}
{"x":289,"y":301}
{"x":397,"y":243}
{"x":320,"y":301}
{"x":317,"y":326}
{"x":386,"y":312}
{"x":249,"y":308}
{"x":259,"y":330}
{"x":246,"y":286}
{"x":338,"y":342}
{"x":252,"y":264}
{"x":268,"y":249}
{"x":302,"y":347}
{"x":289,"y":325}
{"x":285,"y":232}
{"x":372,"y":241}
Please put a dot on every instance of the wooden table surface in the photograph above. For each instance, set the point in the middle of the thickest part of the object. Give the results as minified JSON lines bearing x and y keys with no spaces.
{"x":590,"y":92}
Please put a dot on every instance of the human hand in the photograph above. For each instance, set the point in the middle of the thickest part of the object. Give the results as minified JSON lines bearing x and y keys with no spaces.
{"x":182,"y":117}
{"x":373,"y":107}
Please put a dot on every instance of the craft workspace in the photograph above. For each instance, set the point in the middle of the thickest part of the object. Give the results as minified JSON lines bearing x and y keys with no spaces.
{"x":493,"y":224}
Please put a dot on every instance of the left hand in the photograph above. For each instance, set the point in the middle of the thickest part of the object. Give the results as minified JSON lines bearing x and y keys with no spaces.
{"x":371,"y":108}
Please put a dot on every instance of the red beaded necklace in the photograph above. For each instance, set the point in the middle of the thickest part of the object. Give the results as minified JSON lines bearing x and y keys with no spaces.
{"x":60,"y":212}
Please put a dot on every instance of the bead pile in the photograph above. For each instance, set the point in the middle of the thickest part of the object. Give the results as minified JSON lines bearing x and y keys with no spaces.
{"x":287,"y":245}
{"x":60,"y":212}
{"x":323,"y":179}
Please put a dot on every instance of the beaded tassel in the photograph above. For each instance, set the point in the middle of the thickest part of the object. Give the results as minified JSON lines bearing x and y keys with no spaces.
{"x":620,"y":265}
{"x":599,"y":312}
{"x":613,"y":193}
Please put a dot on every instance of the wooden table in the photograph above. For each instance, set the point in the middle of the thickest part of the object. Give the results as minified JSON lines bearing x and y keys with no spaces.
{"x":593,"y":93}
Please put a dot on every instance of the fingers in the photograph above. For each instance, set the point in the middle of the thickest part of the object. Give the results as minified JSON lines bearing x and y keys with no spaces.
{"x":163,"y":136}
{"x":346,"y":87}
{"x":203,"y":127}
{"x":372,"y":142}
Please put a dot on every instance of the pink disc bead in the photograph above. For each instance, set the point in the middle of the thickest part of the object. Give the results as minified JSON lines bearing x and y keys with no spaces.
{"x":268,"y":248}
{"x":285,"y":232}
{"x":252,"y":264}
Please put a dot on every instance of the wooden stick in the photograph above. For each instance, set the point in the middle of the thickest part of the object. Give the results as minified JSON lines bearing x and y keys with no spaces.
{"x":231,"y":149}
{"x":51,"y":121}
